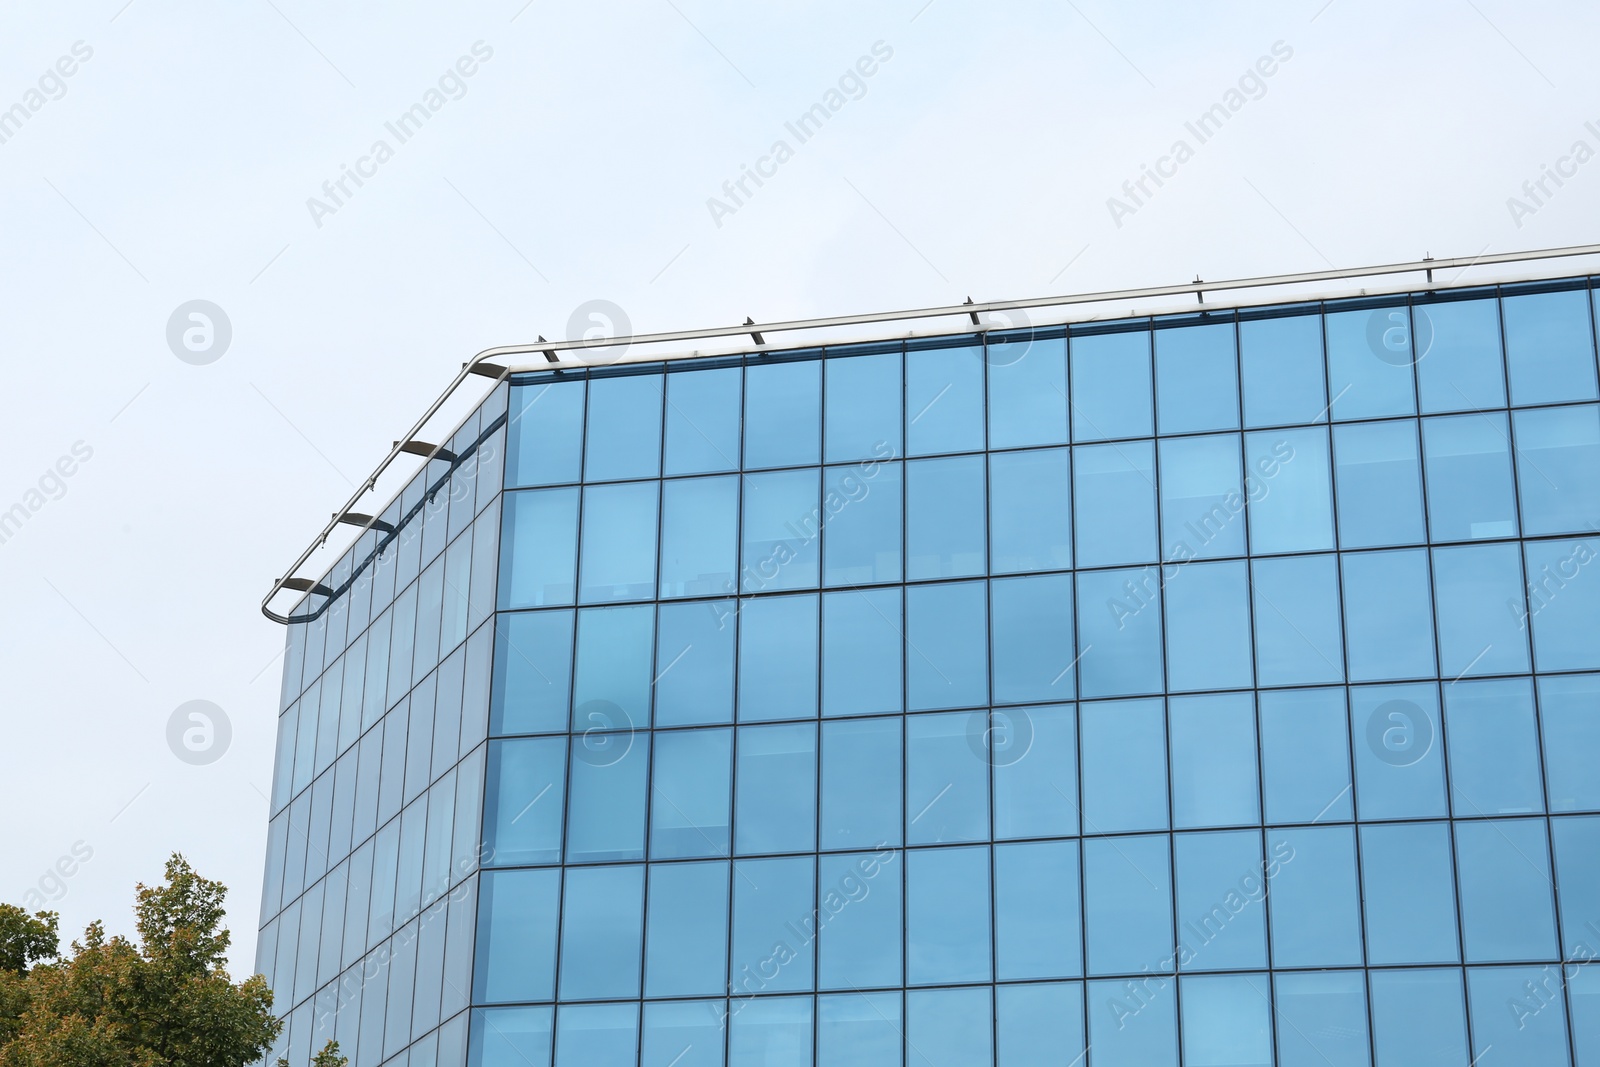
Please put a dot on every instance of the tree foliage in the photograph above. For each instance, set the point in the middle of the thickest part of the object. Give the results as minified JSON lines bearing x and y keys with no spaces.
{"x":166,"y":1002}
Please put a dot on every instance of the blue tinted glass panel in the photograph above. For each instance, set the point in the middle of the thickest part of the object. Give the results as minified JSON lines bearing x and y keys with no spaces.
{"x":622,"y":438}
{"x":1197,"y":378}
{"x":949,"y":1028}
{"x":861,"y":652}
{"x":533,"y":672}
{"x":778,"y":658}
{"x":1228,"y":1021}
{"x":689,"y":802}
{"x":1037,"y":1021}
{"x":546,"y":434}
{"x":862,"y":407}
{"x":694,"y":663}
{"x":1033,"y":752}
{"x":1213,"y":760}
{"x":771,"y":1031}
{"x":1584,"y":992}
{"x":783,"y":414}
{"x":1409,"y":888}
{"x":1380,"y":484}
{"x":859,"y":948}
{"x":1399,"y":757}
{"x":782,"y":531}
{"x":1281,"y":362}
{"x":703,"y":421}
{"x":1297,"y":620}
{"x":1119,"y":632}
{"x":1577,"y":849}
{"x":1322,"y":1020}
{"x":947,"y":915}
{"x":1202,"y":498}
{"x":1458,"y":356}
{"x":1124,"y":766}
{"x":1528,"y":1039}
{"x":1111,"y":396}
{"x":1027,"y":393}
{"x":1418,"y":1019}
{"x":1316,"y":902}
{"x":619,"y":543}
{"x":1369,"y":363}
{"x":861,"y":538}
{"x":1388,"y":608}
{"x":1558,"y":469}
{"x":947,"y":787}
{"x":1031,"y":632}
{"x":511,"y":1037}
{"x":687,"y":1029}
{"x":1291,"y":506}
{"x":1569,"y":709}
{"x":1563,"y":604}
{"x":859,"y":1030}
{"x":1222,"y":920}
{"x":516,"y":958}
{"x":1137,"y":1028}
{"x":1305,"y":756}
{"x":1127,"y":905}
{"x":611,"y":687}
{"x":1208,"y":625}
{"x":606,"y":797}
{"x":1037,"y":925}
{"x":1030,"y":511}
{"x":1549,"y":347}
{"x":861,"y":799}
{"x":1505,"y":890}
{"x":944,"y":518}
{"x":601,"y":930}
{"x":944,"y":400}
{"x":1479,"y":603}
{"x":597,"y":1035}
{"x":776,"y":804}
{"x":1114,"y":499}
{"x":686,"y":932}
{"x":699,"y":536}
{"x":1470,"y":495}
{"x":947,"y":645}
{"x":526,"y":794}
{"x":768,"y":895}
{"x":1494,"y":748}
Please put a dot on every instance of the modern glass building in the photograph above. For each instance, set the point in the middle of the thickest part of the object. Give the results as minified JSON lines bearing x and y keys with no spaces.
{"x":1219,"y":688}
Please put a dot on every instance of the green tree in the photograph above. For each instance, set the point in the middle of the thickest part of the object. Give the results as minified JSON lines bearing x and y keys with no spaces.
{"x":166,"y":1002}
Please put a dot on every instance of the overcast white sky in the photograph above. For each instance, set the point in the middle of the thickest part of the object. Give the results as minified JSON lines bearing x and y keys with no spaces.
{"x":176,"y":162}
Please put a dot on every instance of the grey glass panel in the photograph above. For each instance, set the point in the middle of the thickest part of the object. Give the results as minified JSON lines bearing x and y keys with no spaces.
{"x":1399,"y":757}
{"x":1127,"y":905}
{"x":618,"y":559}
{"x":699,"y":536}
{"x":622,"y":437}
{"x":511,"y":1037}
{"x":782,"y":531}
{"x":1208,"y":625}
{"x":947,"y":645}
{"x":1577,"y":852}
{"x":1305,"y":756}
{"x":944,"y":518}
{"x":1549,"y":347}
{"x":1202,"y":498}
{"x":947,"y":786}
{"x":1030,"y":511}
{"x":1478,"y":602}
{"x":1470,"y":493}
{"x":862,"y":648}
{"x":538,"y":549}
{"x":694,"y":663}
{"x":771,"y":953}
{"x":1038,"y":930}
{"x":612,"y":670}
{"x":861,"y":802}
{"x":1504,"y":871}
{"x":1111,"y":395}
{"x":1370,"y":354}
{"x":1119,"y":632}
{"x":533,"y":672}
{"x":1124,"y":766}
{"x":1380,"y":484}
{"x":862,"y":407}
{"x":1114,"y":499}
{"x":778,"y":658}
{"x":947,"y":915}
{"x":1297,"y":620}
{"x":1213,"y":760}
{"x":1322,"y":1019}
{"x":601,"y":930}
{"x":686,"y":1029}
{"x":1027,"y":393}
{"x":1228,"y":1020}
{"x":859,"y":939}
{"x":525,"y":801}
{"x":1388,"y":609}
{"x":1558,"y":469}
{"x":1033,"y":752}
{"x":1037,"y":1021}
{"x":944,"y":400}
{"x":1316,"y":905}
{"x":775,"y":807}
{"x":690,"y":787}
{"x":949,"y":1028}
{"x":1408,"y":886}
{"x":546,"y":434}
{"x":1519,"y":1035}
{"x":1281,"y":363}
{"x":1133,"y":1028}
{"x":782,"y":414}
{"x":862,"y":519}
{"x":1222,"y":891}
{"x":702,"y":423}
{"x":1494,"y":748}
{"x":1569,"y":709}
{"x":686,"y":935}
{"x":1418,"y":1018}
{"x":597,"y":1035}
{"x":1563,"y":603}
{"x":1032,"y":640}
{"x":606,"y":796}
{"x":1197,"y":378}
{"x":1291,"y":506}
{"x":859,"y":1030}
{"x":1458,"y":356}
{"x":516,"y":957}
{"x":770,"y":1031}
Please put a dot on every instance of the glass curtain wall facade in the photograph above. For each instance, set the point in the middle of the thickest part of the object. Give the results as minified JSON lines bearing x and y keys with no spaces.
{"x":1210,"y":689}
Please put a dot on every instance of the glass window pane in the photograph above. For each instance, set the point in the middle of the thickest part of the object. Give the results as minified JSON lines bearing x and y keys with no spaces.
{"x":782,"y":414}
{"x":1119,"y":632}
{"x":703,"y":421}
{"x":1505,"y":890}
{"x":686,"y":946}
{"x":532,"y":672}
{"x":861,"y":783}
{"x":1380,"y":484}
{"x":1111,"y":386}
{"x":949,"y":1028}
{"x":1027,"y":392}
{"x":699,"y":536}
{"x":1213,"y":760}
{"x":1316,"y":903}
{"x":1388,"y":608}
{"x":1030,"y":511}
{"x":516,"y":959}
{"x":1558,"y":469}
{"x":597,"y":1035}
{"x":782,"y":530}
{"x":1305,"y":756}
{"x":1222,"y":919}
{"x":1369,"y":362}
{"x":1322,"y":1019}
{"x":525,"y":797}
{"x":1399,"y":760}
{"x":947,"y":786}
{"x":947,"y":645}
{"x":694,"y":663}
{"x":1114,"y":498}
{"x":1034,"y":755}
{"x":1127,"y":905}
{"x":770,"y":953}
{"x":1038,"y":932}
{"x":1202,"y":498}
{"x":947,"y":915}
{"x":1140,"y":1029}
{"x":689,"y":1030}
{"x":611,"y":686}
{"x":511,"y":1037}
{"x":862,"y":406}
{"x":1494,"y":748}
{"x":622,"y":437}
{"x":944,"y":518}
{"x":1297,"y":620}
{"x":601,"y":931}
{"x":1525,"y":1038}
{"x":1197,"y":378}
{"x":861,"y":652}
{"x":1124,"y":766}
{"x":619,"y":543}
{"x":1208,"y":625}
{"x":1418,"y":1018}
{"x":1478,"y":602}
{"x":1227,"y":1020}
{"x":859,"y":1030}
{"x":1470,"y":492}
{"x":1281,"y":361}
{"x":1563,"y":604}
{"x":546,"y":433}
{"x":770,"y":1031}
{"x":1409,"y":888}
{"x":1291,"y":507}
{"x":1549,"y":347}
{"x":861,"y":538}
{"x":1031,"y":634}
{"x":1569,"y":709}
{"x":1577,"y":849}
{"x":778,"y":658}
{"x":944,"y":400}
{"x":859,"y":945}
{"x":1458,"y":356}
{"x":1036,"y":1022}
{"x":776,"y":806}
{"x":690,"y":793}
{"x":606,"y":797}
